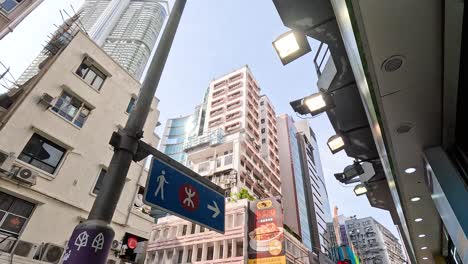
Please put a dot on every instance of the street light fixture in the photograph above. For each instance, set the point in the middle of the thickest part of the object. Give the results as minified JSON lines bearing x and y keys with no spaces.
{"x":360,"y":189}
{"x":335,"y":144}
{"x":313,"y":104}
{"x":354,"y":170}
{"x":349,"y":173}
{"x":290,"y":46}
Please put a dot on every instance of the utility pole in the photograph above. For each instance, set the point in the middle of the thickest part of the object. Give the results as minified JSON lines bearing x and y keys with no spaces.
{"x":91,"y":240}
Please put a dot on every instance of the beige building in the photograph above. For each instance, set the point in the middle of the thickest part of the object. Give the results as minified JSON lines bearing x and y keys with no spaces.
{"x":12,"y":12}
{"x":230,"y":150}
{"x":54,"y":134}
{"x":174,"y":241}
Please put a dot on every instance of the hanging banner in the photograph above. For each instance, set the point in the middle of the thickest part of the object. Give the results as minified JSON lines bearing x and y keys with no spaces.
{"x":266,"y":234}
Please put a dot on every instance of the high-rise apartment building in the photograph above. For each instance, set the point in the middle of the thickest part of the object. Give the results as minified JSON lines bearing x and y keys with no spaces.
{"x":54,"y":153}
{"x":127,"y":30}
{"x":229,"y":150}
{"x":235,"y":144}
{"x":373,"y":242}
{"x":12,"y":12}
{"x":305,"y":197}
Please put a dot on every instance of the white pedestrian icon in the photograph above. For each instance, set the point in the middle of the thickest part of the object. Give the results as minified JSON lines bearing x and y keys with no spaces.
{"x":190,"y":195}
{"x":161,"y":182}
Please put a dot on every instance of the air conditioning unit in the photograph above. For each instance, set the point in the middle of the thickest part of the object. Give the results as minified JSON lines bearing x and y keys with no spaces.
{"x":46,"y":100}
{"x":116,"y":245}
{"x":26,"y":249}
{"x":51,"y":253}
{"x":25,"y":175}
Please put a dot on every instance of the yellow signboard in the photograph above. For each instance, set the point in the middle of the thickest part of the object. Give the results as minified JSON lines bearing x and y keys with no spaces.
{"x":272,"y":260}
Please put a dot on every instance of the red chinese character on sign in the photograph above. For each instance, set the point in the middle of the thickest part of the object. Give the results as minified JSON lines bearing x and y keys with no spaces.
{"x":189,"y":197}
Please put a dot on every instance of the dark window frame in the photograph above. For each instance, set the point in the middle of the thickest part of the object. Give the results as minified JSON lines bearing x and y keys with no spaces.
{"x":131,"y":105}
{"x":32,"y":157}
{"x":7,"y":211}
{"x":85,"y":68}
{"x":99,"y":180}
{"x":79,"y":117}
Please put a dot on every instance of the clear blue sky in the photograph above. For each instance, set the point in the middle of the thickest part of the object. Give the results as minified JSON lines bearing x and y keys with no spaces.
{"x":215,"y":37}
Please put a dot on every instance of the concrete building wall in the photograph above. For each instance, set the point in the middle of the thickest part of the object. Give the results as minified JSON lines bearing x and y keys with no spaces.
{"x":12,"y":12}
{"x":64,"y":198}
{"x":373,"y":242}
{"x":174,"y":240}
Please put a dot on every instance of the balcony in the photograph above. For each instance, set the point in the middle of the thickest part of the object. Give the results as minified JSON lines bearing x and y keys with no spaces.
{"x":211,"y":138}
{"x":212,"y":166}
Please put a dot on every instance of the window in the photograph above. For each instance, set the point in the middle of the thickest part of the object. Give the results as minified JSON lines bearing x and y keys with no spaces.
{"x":189,"y":256}
{"x":199,"y":253}
{"x":263,"y":140}
{"x":130,"y":105}
{"x":72,"y":109}
{"x":240,"y":248}
{"x":227,"y":160}
{"x":14,"y":213}
{"x":210,"y":252}
{"x":42,"y":154}
{"x":91,"y":75}
{"x":262,"y":120}
{"x":263,"y":130}
{"x":9,"y":5}
{"x":98,"y":185}
{"x":180,"y":253}
{"x":262,"y":103}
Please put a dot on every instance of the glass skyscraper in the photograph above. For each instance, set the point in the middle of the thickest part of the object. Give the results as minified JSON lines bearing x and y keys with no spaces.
{"x":174,"y":137}
{"x":127,"y":30}
{"x":305,"y":198}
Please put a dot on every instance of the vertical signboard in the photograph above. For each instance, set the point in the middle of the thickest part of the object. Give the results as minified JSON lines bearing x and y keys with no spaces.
{"x":266,"y":234}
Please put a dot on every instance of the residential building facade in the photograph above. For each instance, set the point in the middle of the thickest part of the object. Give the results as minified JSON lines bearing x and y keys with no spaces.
{"x":54,"y":134}
{"x":229,"y":148}
{"x":373,"y":242}
{"x":174,"y":240}
{"x":236,"y":147}
{"x":307,"y":208}
{"x":127,"y":30}
{"x":12,"y":12}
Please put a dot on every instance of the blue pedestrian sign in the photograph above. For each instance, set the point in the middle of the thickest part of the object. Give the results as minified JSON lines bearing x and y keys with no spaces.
{"x":174,"y":188}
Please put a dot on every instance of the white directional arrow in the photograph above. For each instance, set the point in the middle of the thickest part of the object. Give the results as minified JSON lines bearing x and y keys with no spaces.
{"x":215,"y":209}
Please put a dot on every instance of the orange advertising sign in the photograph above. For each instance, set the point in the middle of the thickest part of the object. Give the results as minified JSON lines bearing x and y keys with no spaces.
{"x":266,"y":234}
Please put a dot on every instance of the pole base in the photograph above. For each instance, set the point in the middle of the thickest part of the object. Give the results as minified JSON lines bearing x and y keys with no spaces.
{"x":89,"y":243}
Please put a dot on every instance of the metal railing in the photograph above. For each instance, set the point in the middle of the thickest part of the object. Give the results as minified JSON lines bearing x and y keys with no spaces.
{"x":210,"y":137}
{"x":321,"y":56}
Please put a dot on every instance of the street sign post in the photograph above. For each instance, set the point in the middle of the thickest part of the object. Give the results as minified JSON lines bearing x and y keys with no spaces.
{"x":175,"y":189}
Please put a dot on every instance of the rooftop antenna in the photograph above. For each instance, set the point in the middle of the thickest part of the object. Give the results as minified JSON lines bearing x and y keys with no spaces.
{"x":61,"y":15}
